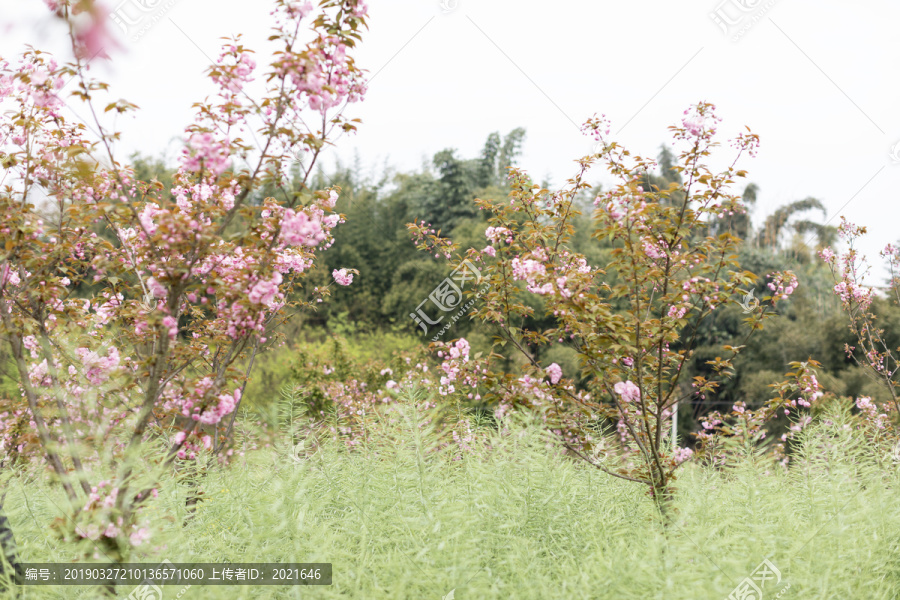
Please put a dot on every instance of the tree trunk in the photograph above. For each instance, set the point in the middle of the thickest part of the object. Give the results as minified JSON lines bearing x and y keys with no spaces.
{"x":9,"y":561}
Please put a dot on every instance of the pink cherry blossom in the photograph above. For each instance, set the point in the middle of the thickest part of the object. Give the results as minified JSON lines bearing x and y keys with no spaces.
{"x":495,"y":234}
{"x":628,"y":391}
{"x":555,"y":373}
{"x":265,"y":291}
{"x":332,"y":199}
{"x":93,"y":39}
{"x":827,"y":255}
{"x":203,"y":151}
{"x":342,"y":277}
{"x":157,"y":290}
{"x":299,"y":229}
{"x":97,"y":369}
{"x":170,"y":323}
{"x":683,"y":454}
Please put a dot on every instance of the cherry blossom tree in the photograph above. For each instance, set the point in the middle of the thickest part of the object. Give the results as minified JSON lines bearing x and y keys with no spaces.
{"x":633,"y":321}
{"x":134,"y":316}
{"x":873,"y":349}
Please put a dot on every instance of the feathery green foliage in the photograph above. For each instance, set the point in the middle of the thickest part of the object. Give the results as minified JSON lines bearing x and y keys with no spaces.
{"x":405,"y":517}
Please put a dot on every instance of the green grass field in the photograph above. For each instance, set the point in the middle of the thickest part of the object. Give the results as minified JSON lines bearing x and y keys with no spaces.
{"x":403,"y":518}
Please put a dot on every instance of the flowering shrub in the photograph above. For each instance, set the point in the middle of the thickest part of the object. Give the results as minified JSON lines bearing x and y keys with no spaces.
{"x":354,"y":403}
{"x":873,"y":351}
{"x":633,"y":323}
{"x":798,"y":392}
{"x":128,"y":311}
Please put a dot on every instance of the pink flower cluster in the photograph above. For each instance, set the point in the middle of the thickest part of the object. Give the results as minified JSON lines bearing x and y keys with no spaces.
{"x":44,"y":87}
{"x":653,"y":250}
{"x":361,"y":9}
{"x":265,"y":291}
{"x":342,"y":277}
{"x":8,"y":276}
{"x":870,"y":412}
{"x":683,"y":454}
{"x":97,"y":369}
{"x":851,"y":291}
{"x":596,"y":127}
{"x":192,"y":404}
{"x":783,"y":284}
{"x":527,"y":269}
{"x":225,"y":406}
{"x":327,"y":78}
{"x":693,"y":124}
{"x":810,"y":390}
{"x":555,"y":373}
{"x":299,"y":229}
{"x":746,"y":141}
{"x":677,"y":312}
{"x":233,"y":77}
{"x":39,"y":374}
{"x":239,"y":320}
{"x":628,"y":391}
{"x":622,"y":207}
{"x":298,"y":10}
{"x":495,"y":234}
{"x":827,"y":254}
{"x":699,"y":122}
{"x":850,"y":280}
{"x":530,"y":270}
{"x":201,"y":193}
{"x":203,"y":151}
{"x":535,"y":388}
{"x":156,"y":289}
{"x":92,"y":38}
{"x":331,"y":200}
{"x":452,"y":366}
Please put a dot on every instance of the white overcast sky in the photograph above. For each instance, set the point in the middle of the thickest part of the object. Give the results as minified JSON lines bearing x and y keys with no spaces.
{"x":819,"y":81}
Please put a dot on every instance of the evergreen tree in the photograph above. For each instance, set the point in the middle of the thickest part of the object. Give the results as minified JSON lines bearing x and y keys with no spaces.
{"x":487,"y":166}
{"x":511,"y":150}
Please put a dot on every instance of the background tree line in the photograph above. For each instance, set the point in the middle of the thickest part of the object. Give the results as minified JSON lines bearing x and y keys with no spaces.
{"x":374,"y":313}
